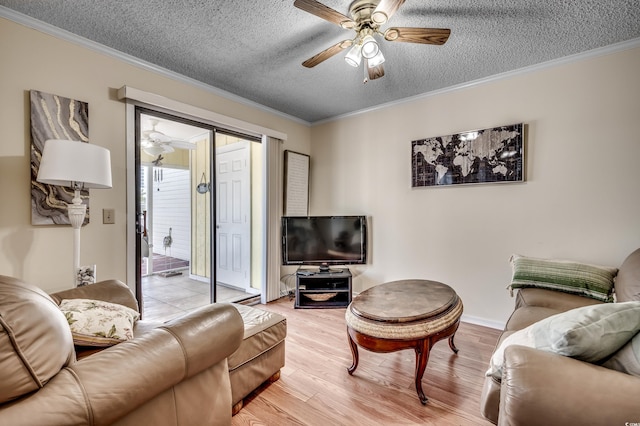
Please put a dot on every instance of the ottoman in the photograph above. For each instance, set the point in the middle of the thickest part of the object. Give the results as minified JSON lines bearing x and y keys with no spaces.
{"x":260,"y":355}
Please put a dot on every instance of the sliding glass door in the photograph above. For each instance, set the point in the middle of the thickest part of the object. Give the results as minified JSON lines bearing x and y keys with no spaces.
{"x":195,"y":210}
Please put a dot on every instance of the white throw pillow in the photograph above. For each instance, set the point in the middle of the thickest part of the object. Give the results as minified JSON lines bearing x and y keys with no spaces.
{"x":590,"y":333}
{"x":627,"y":359}
{"x":98,"y":323}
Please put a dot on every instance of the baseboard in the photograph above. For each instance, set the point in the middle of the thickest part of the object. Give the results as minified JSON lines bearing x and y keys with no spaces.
{"x":498,"y":325}
{"x":199,"y":278}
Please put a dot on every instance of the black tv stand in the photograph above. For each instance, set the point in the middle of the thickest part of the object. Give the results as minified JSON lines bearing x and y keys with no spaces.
{"x":327,"y":288}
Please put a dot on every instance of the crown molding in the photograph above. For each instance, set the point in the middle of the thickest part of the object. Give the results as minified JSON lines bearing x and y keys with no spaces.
{"x":49,"y":29}
{"x":601,"y":51}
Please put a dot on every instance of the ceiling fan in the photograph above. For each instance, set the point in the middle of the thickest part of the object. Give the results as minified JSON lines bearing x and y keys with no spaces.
{"x":155,"y":143}
{"x":367,"y":16}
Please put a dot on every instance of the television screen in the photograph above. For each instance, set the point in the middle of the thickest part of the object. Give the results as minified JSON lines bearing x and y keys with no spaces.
{"x":324,"y":240}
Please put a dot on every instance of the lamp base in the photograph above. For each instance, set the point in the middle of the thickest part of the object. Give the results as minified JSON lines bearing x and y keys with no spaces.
{"x":85,"y":275}
{"x":76,"y":212}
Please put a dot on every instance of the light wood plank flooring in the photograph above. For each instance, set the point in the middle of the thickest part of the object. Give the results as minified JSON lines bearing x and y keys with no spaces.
{"x":315,"y":388}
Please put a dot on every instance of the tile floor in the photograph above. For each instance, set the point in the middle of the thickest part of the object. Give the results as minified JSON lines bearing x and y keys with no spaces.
{"x":168,"y":297}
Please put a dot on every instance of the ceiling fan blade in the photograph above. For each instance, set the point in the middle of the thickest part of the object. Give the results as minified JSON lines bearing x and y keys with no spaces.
{"x":156,"y":136}
{"x":180,"y":144}
{"x":325,"y":12}
{"x":327,"y":53}
{"x":436,"y":36}
{"x":384,"y":10}
{"x":374,"y":72}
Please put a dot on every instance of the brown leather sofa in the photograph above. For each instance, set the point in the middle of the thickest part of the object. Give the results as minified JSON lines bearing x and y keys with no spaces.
{"x":169,"y":374}
{"x":257,"y":360}
{"x":542,"y":388}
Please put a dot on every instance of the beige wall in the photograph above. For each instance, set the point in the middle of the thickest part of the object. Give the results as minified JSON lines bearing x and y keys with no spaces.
{"x":581,"y":199}
{"x":30,"y":59}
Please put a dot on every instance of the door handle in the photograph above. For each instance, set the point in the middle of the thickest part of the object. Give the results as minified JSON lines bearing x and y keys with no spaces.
{"x":139,"y":225}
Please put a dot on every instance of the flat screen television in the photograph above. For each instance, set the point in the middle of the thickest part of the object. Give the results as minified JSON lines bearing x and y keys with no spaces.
{"x":324,"y":240}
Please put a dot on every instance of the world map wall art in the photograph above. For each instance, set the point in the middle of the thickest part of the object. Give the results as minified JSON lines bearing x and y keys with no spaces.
{"x":479,"y":156}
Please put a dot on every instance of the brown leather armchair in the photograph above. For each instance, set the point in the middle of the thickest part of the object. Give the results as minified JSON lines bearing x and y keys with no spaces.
{"x":169,"y":374}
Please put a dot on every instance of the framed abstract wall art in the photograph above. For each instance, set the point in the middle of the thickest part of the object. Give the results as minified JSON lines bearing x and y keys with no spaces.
{"x":480,"y":156}
{"x":54,"y":117}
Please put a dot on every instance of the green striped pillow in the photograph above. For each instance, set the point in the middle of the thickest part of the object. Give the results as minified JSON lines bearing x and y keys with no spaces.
{"x":563,"y":275}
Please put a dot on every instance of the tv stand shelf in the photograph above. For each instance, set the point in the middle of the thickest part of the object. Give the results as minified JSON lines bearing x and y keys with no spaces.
{"x":323,"y":289}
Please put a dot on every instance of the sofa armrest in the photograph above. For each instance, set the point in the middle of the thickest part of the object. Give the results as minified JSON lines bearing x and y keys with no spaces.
{"x":542,"y":388}
{"x":108,"y":385}
{"x":113,"y":291}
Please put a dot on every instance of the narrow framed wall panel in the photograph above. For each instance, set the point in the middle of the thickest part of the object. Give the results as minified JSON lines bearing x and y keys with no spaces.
{"x":296,"y":184}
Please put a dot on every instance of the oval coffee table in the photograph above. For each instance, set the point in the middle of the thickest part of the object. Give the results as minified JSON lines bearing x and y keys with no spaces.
{"x":407,"y":314}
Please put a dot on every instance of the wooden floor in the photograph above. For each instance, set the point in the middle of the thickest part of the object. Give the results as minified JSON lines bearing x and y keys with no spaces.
{"x":315,"y":388}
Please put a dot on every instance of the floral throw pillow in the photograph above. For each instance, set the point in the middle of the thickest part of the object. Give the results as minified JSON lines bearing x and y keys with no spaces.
{"x":98,"y":323}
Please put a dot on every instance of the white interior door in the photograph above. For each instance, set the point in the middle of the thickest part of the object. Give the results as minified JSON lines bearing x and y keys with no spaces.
{"x":233,"y":218}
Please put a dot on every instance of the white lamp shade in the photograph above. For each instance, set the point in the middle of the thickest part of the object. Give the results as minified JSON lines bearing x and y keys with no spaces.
{"x":66,"y":163}
{"x":354,"y":56}
{"x":376,"y":60}
{"x":370,"y":47}
{"x":153,"y":150}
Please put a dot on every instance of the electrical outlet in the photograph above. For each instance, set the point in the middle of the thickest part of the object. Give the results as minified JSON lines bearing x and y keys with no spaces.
{"x":108,"y":216}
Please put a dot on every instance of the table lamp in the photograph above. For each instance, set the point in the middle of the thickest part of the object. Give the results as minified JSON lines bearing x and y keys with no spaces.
{"x":77,"y":165}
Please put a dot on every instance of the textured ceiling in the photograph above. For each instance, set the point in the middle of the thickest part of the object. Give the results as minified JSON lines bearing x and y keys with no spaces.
{"x":255,"y":49}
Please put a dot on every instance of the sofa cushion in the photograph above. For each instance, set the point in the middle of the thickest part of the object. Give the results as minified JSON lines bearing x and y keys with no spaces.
{"x":98,"y":323}
{"x":535,"y":304}
{"x":627,"y":359}
{"x":590,"y":333}
{"x":563,"y":275}
{"x":628,"y":279}
{"x":528,"y":315}
{"x":555,"y":300}
{"x":35,"y":340}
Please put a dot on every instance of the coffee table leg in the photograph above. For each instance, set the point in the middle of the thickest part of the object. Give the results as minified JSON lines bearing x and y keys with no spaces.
{"x":354,"y":353}
{"x":453,"y":345}
{"x":422,"y":357}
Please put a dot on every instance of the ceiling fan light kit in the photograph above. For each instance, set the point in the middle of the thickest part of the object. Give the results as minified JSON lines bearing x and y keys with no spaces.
{"x":354,"y":57}
{"x":366,"y":18}
{"x":370,"y":47}
{"x":376,"y":60}
{"x":153,"y":150}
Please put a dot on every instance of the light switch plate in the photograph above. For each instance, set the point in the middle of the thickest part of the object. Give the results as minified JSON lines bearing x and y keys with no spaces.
{"x":108,"y":216}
